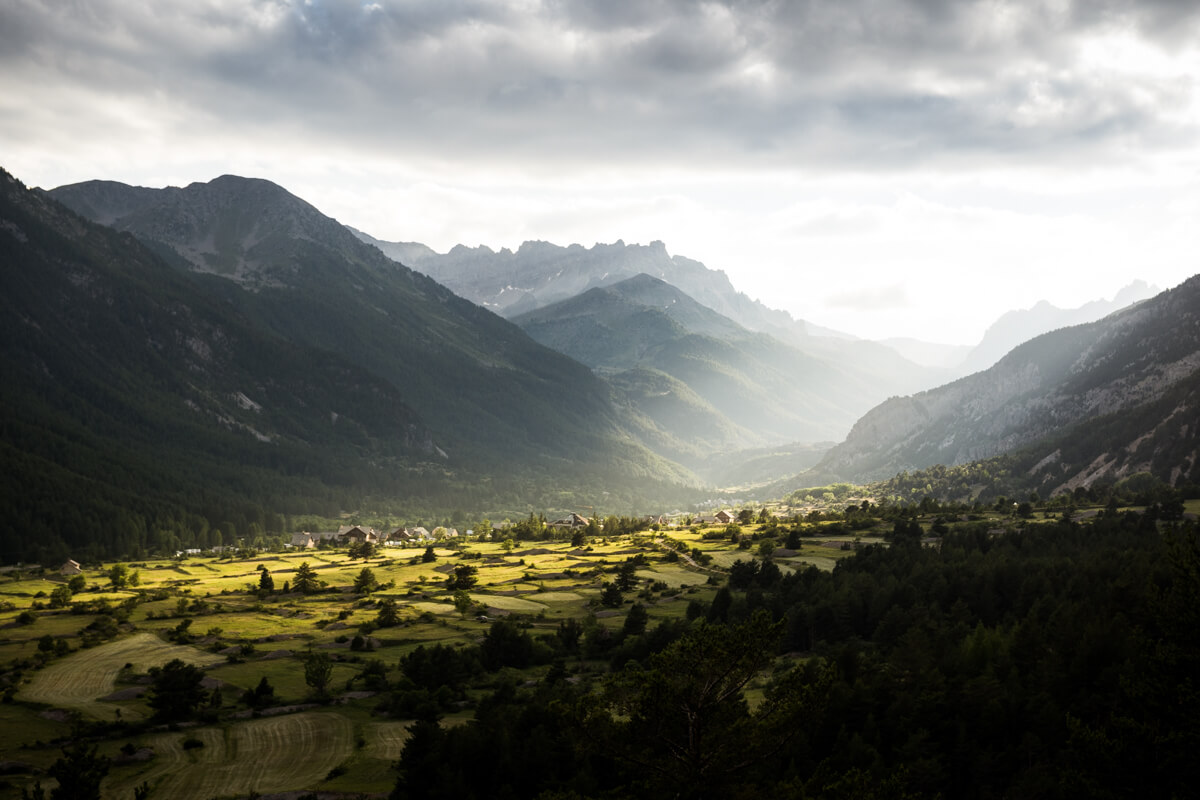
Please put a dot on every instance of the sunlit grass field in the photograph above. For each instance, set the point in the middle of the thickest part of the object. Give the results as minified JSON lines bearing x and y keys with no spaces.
{"x":240,"y":636}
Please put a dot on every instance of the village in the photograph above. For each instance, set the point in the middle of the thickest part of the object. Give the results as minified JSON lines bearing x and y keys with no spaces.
{"x":348,"y":535}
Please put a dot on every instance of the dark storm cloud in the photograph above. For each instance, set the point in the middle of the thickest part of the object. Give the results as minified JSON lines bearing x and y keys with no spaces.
{"x":859,"y":82}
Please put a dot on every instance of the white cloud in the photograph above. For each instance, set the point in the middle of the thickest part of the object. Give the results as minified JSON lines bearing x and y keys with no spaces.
{"x":979,"y":155}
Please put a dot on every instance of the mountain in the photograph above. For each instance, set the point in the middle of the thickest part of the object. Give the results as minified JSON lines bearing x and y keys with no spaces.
{"x":1015,"y":327}
{"x":541,"y":273}
{"x":707,"y":384}
{"x":133,"y":399}
{"x":505,"y":420}
{"x":1096,"y":401}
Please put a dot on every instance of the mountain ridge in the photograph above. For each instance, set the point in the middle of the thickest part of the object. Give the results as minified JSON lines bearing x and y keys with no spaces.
{"x":1060,"y":381}
{"x":650,"y":336}
{"x":494,"y":398}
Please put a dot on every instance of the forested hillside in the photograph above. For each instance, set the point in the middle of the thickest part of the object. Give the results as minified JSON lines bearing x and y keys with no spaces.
{"x":138,"y":410}
{"x":149,"y":407}
{"x":490,"y":394}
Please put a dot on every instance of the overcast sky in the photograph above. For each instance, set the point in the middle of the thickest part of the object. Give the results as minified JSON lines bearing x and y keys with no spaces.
{"x":906,"y":168}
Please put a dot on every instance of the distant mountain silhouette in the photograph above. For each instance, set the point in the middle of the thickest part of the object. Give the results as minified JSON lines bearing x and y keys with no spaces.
{"x":1016,"y":327}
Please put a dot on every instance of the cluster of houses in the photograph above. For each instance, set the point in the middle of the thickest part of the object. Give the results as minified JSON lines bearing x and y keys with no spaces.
{"x":404,"y":537}
{"x":358,"y":534}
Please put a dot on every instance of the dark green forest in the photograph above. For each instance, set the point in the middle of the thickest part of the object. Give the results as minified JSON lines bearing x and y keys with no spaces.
{"x":1056,"y":661}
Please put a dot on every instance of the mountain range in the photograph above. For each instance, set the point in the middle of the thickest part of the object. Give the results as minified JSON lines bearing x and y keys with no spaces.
{"x":184,"y":362}
{"x":707,"y":384}
{"x":538,"y":275}
{"x":1098,"y":401}
{"x":221,"y":348}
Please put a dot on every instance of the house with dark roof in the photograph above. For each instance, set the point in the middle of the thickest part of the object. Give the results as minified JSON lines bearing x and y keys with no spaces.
{"x":303,"y":541}
{"x":357,"y":533}
{"x":569,"y":522}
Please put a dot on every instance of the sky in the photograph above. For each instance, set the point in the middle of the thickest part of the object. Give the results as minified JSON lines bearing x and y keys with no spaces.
{"x":903,"y":168}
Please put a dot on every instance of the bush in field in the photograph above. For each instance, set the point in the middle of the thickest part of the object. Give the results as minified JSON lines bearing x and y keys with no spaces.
{"x":118,"y":576}
{"x":463,"y":578}
{"x":260,"y":696}
{"x":60,"y":596}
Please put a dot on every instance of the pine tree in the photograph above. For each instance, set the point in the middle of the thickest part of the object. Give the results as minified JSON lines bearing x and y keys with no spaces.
{"x":306,"y":579}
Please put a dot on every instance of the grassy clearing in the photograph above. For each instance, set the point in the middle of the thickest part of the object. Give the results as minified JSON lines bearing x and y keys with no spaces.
{"x":504,"y":603}
{"x":555,"y":598}
{"x":79,"y":680}
{"x":21,"y":726}
{"x":672,"y":575}
{"x":284,"y":674}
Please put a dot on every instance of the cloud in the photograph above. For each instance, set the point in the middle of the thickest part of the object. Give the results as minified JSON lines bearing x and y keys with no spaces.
{"x":775,"y":140}
{"x":824,"y":85}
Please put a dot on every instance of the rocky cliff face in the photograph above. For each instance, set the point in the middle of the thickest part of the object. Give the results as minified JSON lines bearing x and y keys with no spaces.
{"x":1114,"y":370}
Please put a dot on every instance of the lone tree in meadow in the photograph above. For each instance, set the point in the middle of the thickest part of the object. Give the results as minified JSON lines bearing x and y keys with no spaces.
{"x":365,"y":582}
{"x":627,"y":576}
{"x":306,"y":579}
{"x":462,"y":601}
{"x":261,"y":696}
{"x":389,"y":614}
{"x":363,"y":550}
{"x":611,"y":596}
{"x":318,"y":671}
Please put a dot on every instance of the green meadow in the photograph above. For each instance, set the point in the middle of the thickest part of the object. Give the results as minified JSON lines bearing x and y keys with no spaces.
{"x":82,"y":671}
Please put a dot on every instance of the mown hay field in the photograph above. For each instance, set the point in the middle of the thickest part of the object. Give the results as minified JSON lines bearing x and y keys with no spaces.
{"x":271,"y":754}
{"x":79,"y":680}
